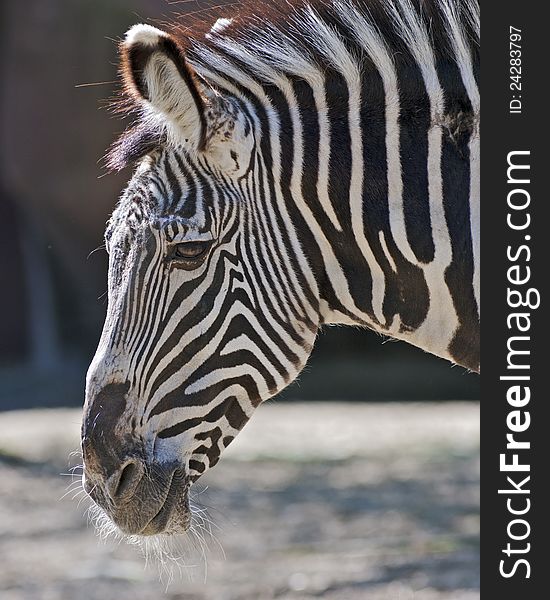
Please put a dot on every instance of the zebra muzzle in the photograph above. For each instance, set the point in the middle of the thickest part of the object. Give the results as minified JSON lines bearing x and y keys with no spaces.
{"x":143,"y":498}
{"x":140,"y":494}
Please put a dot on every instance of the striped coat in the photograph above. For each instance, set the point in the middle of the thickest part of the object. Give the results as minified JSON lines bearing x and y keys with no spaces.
{"x":315,"y":164}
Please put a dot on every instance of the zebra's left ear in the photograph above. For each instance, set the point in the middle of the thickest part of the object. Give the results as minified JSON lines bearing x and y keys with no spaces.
{"x":156,"y":74}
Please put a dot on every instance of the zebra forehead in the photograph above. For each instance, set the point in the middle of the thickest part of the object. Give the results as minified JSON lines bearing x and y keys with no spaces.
{"x":167,"y":193}
{"x":176,"y":227}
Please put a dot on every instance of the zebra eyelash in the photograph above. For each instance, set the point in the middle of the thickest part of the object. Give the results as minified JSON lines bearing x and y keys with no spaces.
{"x":176,"y":253}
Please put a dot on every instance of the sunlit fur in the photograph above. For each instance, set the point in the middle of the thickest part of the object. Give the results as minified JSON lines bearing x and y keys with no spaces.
{"x":183,"y":555}
{"x":170,"y":554}
{"x":332,"y":160}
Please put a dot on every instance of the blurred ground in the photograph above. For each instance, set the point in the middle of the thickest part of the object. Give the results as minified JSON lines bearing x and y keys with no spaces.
{"x":376,"y":502}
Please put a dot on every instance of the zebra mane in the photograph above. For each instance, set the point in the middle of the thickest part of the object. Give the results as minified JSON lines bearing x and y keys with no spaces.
{"x":277,"y":39}
{"x":282,"y":34}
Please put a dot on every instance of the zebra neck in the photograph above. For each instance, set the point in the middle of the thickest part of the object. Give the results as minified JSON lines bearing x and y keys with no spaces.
{"x":380,"y":190}
{"x":369,"y":151}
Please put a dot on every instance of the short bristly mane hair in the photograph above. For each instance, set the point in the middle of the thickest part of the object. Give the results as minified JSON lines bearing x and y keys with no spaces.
{"x":270,"y":32}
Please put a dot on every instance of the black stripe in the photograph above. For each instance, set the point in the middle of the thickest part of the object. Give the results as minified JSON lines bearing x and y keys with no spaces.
{"x":414,"y":122}
{"x":464,"y":347}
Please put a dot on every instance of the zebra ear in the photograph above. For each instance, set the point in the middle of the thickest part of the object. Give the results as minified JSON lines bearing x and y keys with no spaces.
{"x":156,"y":74}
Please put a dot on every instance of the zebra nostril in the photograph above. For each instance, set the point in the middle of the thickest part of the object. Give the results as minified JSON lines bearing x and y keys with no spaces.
{"x":123,"y":483}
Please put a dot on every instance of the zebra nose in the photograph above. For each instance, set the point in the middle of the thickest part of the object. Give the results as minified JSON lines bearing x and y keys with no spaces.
{"x":101,"y":423}
{"x":122,"y":484}
{"x":112,"y":454}
{"x":102,"y":413}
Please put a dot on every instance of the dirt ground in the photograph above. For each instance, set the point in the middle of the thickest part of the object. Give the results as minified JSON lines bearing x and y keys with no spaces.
{"x":376,"y":502}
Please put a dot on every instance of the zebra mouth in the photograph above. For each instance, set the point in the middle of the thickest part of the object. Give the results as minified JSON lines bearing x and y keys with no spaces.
{"x":159,"y":504}
{"x":173,"y":515}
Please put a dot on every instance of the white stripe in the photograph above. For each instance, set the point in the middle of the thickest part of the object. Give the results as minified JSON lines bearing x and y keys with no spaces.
{"x":441,"y":321}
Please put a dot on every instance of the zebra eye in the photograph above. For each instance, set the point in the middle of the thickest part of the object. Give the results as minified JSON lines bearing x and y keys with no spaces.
{"x":190,"y":250}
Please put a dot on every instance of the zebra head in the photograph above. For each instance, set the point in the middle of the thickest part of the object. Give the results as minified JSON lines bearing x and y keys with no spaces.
{"x":211,"y":303}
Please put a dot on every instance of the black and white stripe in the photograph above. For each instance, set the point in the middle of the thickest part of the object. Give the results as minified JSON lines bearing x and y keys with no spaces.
{"x":330,"y":162}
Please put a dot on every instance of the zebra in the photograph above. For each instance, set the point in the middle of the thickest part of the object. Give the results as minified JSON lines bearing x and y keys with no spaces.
{"x":296,"y":165}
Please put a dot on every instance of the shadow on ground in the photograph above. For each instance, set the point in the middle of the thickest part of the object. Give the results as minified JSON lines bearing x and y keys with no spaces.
{"x":375,"y":502}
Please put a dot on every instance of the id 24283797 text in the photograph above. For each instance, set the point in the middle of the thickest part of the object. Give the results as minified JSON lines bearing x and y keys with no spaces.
{"x":515,"y":58}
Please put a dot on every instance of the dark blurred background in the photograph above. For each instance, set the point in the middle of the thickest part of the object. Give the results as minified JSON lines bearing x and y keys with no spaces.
{"x":58,"y":65}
